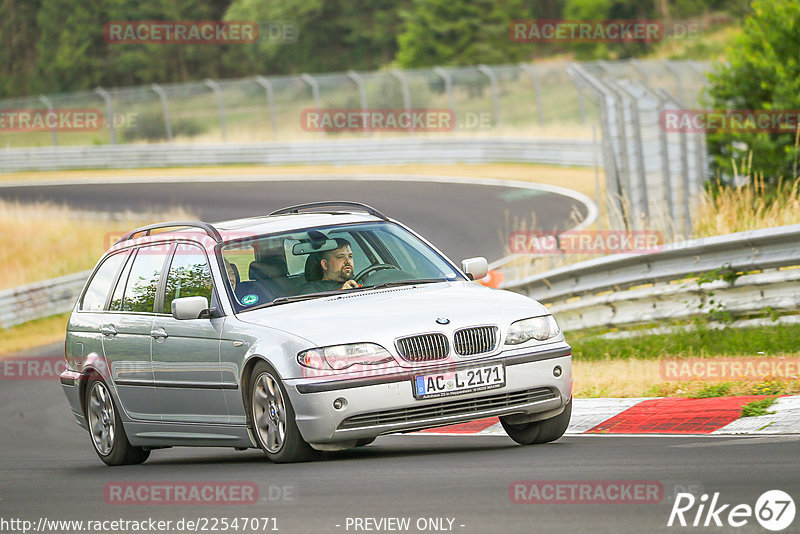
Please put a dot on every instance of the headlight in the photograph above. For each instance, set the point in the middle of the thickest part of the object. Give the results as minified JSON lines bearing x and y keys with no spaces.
{"x":539,"y":328}
{"x":340,"y":357}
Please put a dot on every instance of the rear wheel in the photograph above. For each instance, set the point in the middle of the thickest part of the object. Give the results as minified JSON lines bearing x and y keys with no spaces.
{"x":539,"y":431}
{"x":273,"y":418}
{"x":105,"y":428}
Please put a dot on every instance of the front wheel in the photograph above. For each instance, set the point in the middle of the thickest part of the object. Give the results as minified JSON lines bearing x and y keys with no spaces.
{"x":105,"y":428}
{"x":273,"y":418}
{"x":537,"y":432}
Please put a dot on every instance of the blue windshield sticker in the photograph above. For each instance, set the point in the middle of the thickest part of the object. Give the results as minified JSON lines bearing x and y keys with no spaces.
{"x":250,"y":299}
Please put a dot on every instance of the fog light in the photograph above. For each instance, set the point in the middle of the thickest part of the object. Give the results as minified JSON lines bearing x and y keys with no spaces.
{"x":557,"y":371}
{"x":339,"y":403}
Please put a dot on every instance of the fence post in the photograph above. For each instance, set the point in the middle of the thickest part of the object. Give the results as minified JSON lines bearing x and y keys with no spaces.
{"x":314,"y":85}
{"x":46,"y":101}
{"x":263,"y":82}
{"x":362,"y":92}
{"x":639,"y":193}
{"x":165,"y":109}
{"x":109,"y":113}
{"x":489,"y":73}
{"x":530,"y":70}
{"x":214,"y":86}
{"x":400,"y":77}
{"x":448,"y":87}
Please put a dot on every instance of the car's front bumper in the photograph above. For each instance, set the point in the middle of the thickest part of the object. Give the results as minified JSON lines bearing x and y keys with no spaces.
{"x":384,"y":405}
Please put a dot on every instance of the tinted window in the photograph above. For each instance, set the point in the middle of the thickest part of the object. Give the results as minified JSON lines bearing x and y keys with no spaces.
{"x":140,"y":292}
{"x":95,"y":297}
{"x":189,"y":276}
{"x":116,"y":298}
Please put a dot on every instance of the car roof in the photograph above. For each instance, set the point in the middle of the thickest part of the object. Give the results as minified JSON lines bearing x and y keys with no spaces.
{"x":252,"y":226}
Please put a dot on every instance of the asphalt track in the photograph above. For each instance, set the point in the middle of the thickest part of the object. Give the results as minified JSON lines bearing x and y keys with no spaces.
{"x":49,"y":470}
{"x":462,"y":220}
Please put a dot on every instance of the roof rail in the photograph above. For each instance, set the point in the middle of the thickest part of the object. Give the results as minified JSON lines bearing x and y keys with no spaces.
{"x":330,"y":203}
{"x":209,"y":229}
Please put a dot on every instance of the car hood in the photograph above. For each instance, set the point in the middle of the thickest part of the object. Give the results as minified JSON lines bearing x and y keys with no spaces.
{"x":383,"y":315}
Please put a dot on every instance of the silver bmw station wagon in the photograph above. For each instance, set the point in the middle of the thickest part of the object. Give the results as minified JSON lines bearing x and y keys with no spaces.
{"x":318,"y":327}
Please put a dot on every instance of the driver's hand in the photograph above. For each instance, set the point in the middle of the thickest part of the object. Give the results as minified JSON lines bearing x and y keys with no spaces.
{"x":350,"y":284}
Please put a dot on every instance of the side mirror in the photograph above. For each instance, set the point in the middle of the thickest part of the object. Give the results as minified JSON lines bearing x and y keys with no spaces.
{"x":475,"y":268}
{"x":189,"y":307}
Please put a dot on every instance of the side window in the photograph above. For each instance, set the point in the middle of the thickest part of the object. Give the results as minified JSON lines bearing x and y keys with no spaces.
{"x":95,"y":297}
{"x":140,"y":292}
{"x":189,"y":276}
{"x":119,"y":291}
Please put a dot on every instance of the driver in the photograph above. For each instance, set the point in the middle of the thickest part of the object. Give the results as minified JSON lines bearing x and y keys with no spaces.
{"x":337,"y":270}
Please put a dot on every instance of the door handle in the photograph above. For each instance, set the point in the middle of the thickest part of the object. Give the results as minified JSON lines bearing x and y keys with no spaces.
{"x":108,"y":330}
{"x":159,"y":333}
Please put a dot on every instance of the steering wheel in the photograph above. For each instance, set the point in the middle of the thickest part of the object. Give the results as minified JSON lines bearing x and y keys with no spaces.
{"x":373,"y":268}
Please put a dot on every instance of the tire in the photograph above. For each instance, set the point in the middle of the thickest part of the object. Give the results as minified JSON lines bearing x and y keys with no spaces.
{"x":538,"y":432}
{"x":363,"y":442}
{"x":272,"y":418}
{"x":105,"y":427}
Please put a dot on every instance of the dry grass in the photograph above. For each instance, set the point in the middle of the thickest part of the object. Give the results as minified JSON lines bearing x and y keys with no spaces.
{"x":642,"y":378}
{"x":33,"y":334}
{"x":579,"y":179}
{"x":43,"y":240}
{"x":735,"y":209}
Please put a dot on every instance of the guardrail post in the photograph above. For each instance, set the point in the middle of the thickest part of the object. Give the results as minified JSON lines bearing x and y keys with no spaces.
{"x":530,"y":70}
{"x":639,"y":193}
{"x":314,"y":85}
{"x":448,"y":87}
{"x":489,"y":73}
{"x":46,"y":101}
{"x":267,"y":85}
{"x":400,"y":77}
{"x":362,"y":91}
{"x":164,"y":108}
{"x":214,"y":86}
{"x":109,"y":113}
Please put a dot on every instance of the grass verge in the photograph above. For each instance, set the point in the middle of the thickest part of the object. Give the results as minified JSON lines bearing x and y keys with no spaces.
{"x":43,"y":240}
{"x":33,"y":334}
{"x":758,"y":407}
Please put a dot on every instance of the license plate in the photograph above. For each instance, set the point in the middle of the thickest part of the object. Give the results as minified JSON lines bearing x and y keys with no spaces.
{"x":459,"y":382}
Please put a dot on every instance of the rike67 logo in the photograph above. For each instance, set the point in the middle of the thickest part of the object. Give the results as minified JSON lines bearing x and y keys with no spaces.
{"x":774,"y":510}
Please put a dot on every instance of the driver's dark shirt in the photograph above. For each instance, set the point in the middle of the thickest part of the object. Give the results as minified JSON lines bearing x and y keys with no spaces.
{"x":320,"y":285}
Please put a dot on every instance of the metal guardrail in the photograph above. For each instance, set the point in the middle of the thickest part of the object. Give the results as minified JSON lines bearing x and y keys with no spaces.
{"x":569,"y":152}
{"x":630,"y":289}
{"x":40,"y":299}
{"x":611,"y":291}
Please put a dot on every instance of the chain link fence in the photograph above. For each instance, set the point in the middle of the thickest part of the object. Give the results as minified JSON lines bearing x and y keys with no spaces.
{"x":650,"y":174}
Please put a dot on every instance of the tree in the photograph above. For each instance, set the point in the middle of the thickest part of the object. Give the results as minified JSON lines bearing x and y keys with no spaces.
{"x":461,"y":32}
{"x":763,"y":73}
{"x":331,"y":35}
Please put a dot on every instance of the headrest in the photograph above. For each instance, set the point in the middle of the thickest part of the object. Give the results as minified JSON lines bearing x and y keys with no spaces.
{"x":313,"y":270}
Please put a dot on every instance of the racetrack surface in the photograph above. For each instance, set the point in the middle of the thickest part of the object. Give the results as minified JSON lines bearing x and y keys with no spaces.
{"x":461,"y":219}
{"x":49,"y":469}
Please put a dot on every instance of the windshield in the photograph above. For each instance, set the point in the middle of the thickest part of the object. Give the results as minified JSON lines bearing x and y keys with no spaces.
{"x":280,"y":268}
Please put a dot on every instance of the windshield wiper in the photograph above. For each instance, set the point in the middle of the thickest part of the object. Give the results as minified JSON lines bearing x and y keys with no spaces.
{"x":408,"y":283}
{"x":296,"y":298}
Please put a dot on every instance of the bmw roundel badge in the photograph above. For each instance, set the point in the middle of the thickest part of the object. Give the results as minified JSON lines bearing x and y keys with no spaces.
{"x":443,"y":320}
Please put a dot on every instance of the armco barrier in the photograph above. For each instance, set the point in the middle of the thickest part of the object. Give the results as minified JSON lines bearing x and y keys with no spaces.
{"x":627,"y":289}
{"x":617,"y":290}
{"x":393,"y":151}
{"x":40,"y":299}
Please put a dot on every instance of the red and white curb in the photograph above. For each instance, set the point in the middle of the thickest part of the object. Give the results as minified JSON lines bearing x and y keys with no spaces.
{"x":717,"y":415}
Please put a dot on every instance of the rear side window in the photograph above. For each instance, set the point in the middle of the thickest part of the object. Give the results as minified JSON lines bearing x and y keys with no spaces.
{"x":140,"y":292}
{"x":95,"y":297}
{"x":189,"y":276}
